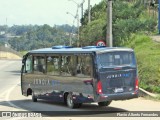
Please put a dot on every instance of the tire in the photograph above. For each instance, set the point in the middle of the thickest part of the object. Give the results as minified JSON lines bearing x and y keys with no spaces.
{"x":70,"y":102}
{"x":34,"y":99}
{"x":102,"y":104}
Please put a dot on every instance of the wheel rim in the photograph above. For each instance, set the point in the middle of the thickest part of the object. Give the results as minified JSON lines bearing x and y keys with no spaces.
{"x":70,"y":101}
{"x":34,"y":99}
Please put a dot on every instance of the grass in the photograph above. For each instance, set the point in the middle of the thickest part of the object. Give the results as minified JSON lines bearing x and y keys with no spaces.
{"x":148,"y":60}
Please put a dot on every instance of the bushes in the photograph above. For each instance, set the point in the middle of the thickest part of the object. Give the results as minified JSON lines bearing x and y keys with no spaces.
{"x":148,"y":60}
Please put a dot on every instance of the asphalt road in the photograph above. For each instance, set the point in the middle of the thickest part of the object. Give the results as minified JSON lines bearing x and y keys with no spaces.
{"x":12,"y":100}
{"x":9,"y":74}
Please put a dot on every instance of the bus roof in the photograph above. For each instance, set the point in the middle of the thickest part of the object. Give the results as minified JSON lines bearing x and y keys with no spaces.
{"x":87,"y":49}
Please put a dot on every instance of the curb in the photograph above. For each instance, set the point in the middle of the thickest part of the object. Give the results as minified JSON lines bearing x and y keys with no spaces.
{"x":156,"y":38}
{"x":143,"y":92}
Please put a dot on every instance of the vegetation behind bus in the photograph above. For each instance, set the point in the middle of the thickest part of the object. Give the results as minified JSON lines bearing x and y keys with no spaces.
{"x":128,"y":17}
{"x":148,"y":60}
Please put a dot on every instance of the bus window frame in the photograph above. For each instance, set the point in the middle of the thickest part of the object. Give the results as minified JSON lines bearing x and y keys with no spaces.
{"x":52,"y":55}
{"x":92,"y":74}
{"x":31,"y":57}
{"x":25,"y":57}
{"x":39,"y":55}
{"x":72,"y":54}
{"x":113,"y":66}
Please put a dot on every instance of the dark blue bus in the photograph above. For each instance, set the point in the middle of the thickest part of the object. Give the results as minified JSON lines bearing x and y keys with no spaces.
{"x":80,"y":75}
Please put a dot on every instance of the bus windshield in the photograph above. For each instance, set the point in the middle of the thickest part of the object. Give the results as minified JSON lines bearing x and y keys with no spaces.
{"x":113,"y":59}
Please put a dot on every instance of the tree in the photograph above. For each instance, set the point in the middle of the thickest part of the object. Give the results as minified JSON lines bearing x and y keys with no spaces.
{"x":34,"y":37}
{"x":128,"y":18}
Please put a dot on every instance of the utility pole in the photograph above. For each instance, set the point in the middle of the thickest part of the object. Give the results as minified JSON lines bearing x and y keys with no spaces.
{"x":109,"y":39}
{"x":82,"y":8}
{"x":76,"y":17}
{"x":82,"y":11}
{"x":71,"y":34}
{"x":78,"y":42}
{"x":89,"y":12}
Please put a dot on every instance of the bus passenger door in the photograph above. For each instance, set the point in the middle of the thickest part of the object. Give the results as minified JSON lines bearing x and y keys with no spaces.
{"x":25,"y":73}
{"x":39,"y":78}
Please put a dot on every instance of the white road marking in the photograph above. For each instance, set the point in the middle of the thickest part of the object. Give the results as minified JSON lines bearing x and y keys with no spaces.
{"x":4,"y":93}
{"x":7,"y":98}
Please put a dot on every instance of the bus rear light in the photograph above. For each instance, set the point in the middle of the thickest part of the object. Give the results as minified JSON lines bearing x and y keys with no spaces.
{"x":99,"y":87}
{"x":136,"y":84}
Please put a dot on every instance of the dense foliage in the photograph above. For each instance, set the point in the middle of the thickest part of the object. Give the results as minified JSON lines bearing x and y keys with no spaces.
{"x":128,"y":18}
{"x":32,"y":37}
{"x":148,"y":57}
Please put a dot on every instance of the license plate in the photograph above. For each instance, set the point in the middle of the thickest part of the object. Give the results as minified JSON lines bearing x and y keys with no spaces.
{"x":118,"y":90}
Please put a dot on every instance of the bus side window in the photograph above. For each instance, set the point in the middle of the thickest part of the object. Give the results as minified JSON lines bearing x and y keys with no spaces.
{"x":65,"y":66}
{"x":39,"y":64}
{"x":53,"y":65}
{"x":84,"y":66}
{"x":73,"y":65}
{"x":28,"y":65}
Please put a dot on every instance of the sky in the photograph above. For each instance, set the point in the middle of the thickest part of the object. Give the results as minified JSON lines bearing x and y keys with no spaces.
{"x":39,"y":12}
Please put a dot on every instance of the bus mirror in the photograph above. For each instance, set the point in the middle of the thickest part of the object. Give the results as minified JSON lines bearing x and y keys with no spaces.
{"x":24,"y":59}
{"x":22,"y":69}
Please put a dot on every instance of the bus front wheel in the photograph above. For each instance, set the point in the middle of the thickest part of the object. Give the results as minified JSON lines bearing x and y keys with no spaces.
{"x":106,"y":103}
{"x":34,"y":99}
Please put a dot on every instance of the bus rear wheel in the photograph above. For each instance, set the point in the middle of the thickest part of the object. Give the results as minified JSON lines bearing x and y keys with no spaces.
{"x":102,"y":104}
{"x":34,"y":99}
{"x":70,"y":102}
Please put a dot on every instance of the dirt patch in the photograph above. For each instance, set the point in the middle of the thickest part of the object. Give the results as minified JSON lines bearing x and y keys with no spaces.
{"x":156,"y":38}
